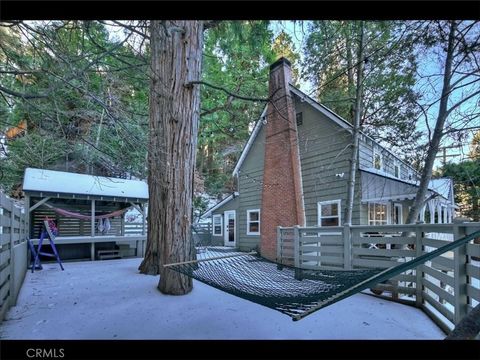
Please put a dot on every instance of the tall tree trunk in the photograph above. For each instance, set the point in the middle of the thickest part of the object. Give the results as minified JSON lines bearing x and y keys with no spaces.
{"x":356,"y":129}
{"x":351,"y":83}
{"x":437,"y":134}
{"x":176,"y":48}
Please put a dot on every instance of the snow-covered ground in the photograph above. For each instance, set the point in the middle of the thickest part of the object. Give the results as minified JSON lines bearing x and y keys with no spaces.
{"x":111,"y":300}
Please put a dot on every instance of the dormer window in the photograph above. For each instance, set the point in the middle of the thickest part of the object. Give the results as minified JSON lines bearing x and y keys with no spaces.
{"x":377,"y":160}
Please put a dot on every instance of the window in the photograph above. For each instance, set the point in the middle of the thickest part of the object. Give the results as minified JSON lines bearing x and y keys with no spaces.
{"x":377,"y":214}
{"x":329,"y":213}
{"x":217,"y":225}
{"x":396,"y":169}
{"x":397,"y":216}
{"x":299,"y":119}
{"x":253,"y":222}
{"x":410,"y":175}
{"x":377,"y":160}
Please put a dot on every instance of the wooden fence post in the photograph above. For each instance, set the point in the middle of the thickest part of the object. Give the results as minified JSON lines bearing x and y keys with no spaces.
{"x":296,"y":246}
{"x":347,"y":247}
{"x":460,"y":275}
{"x":92,"y":230}
{"x":418,"y":270}
{"x":11,"y":297}
{"x":296,"y":252}
{"x":279,"y":245}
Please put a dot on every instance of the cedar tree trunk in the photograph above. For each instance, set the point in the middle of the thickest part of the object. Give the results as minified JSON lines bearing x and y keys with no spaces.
{"x":176,"y":48}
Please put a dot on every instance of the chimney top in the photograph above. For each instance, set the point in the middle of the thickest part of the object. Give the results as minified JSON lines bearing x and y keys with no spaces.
{"x":279,"y":62}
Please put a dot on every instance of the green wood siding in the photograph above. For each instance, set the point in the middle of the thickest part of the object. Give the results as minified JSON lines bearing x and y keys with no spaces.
{"x":250,"y":179}
{"x":324,"y":152}
{"x":231,"y":205}
{"x":366,"y":147}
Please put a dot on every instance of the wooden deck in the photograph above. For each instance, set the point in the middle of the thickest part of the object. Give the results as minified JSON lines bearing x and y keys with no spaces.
{"x":138,"y":240}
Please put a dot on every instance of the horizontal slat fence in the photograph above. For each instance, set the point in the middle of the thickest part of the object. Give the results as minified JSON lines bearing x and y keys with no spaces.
{"x":446,"y":288}
{"x":13,"y":252}
{"x":202,"y":234}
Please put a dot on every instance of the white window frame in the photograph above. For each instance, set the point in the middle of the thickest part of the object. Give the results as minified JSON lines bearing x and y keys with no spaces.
{"x":379,"y":153}
{"x":221,"y":225}
{"x":248,"y":222}
{"x":388,"y":213}
{"x":396,"y":164}
{"x":319,"y":211}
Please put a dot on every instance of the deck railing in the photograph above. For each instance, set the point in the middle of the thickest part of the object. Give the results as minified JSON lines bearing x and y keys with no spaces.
{"x":13,"y":252}
{"x":446,"y":288}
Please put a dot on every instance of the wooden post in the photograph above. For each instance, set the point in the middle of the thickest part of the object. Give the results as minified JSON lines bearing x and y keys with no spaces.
{"x":27,"y":226}
{"x":296,"y":252}
{"x":279,"y":245}
{"x":92,"y":232}
{"x":144,"y":222}
{"x":347,"y":247}
{"x":41,"y":202}
{"x":460,"y":275}
{"x":11,"y":298}
{"x":296,"y":246}
{"x":418,"y":270}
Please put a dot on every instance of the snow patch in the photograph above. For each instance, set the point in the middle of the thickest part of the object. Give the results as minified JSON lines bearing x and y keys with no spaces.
{"x":111,"y":300}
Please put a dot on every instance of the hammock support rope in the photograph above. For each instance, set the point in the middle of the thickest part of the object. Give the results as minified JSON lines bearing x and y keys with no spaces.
{"x":293,"y":291}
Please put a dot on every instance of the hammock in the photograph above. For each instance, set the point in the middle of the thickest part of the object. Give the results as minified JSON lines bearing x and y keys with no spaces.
{"x":86,"y":217}
{"x":292,"y":291}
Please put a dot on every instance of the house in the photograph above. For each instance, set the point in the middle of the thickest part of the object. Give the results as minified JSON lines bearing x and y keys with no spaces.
{"x":294,"y":170}
{"x":75,"y":202}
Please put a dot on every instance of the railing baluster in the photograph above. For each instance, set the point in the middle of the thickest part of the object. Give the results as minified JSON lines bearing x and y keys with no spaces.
{"x":418,"y":270}
{"x":460,"y":276}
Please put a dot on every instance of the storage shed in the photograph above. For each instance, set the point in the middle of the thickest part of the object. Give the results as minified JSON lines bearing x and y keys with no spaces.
{"x":79,"y":203}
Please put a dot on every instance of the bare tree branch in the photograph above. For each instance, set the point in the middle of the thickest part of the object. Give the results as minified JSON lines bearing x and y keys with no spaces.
{"x":21,"y":95}
{"x":460,"y":102}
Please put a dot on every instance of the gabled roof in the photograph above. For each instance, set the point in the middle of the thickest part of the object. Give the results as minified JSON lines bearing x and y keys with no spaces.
{"x":250,"y":141}
{"x":329,"y":114}
{"x":322,"y":109}
{"x":61,"y":182}
{"x":216,"y":206}
{"x":443,"y":187}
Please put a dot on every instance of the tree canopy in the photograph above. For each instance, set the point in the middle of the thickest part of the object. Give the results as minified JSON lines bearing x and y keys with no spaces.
{"x":74,"y":95}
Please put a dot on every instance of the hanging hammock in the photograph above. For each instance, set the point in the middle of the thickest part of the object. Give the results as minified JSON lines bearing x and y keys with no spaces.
{"x":86,"y":217}
{"x":293,"y":291}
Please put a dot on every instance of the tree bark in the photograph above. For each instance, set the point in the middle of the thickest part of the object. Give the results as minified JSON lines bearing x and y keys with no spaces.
{"x":438,"y":132}
{"x":356,"y":129}
{"x":176,"y":48}
{"x":351,"y":84}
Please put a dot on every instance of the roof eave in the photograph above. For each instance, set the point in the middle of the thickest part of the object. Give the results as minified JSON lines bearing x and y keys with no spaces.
{"x":208,"y":213}
{"x":250,"y":141}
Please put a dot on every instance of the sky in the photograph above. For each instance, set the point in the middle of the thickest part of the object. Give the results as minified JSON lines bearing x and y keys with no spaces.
{"x":298,"y":30}
{"x":428,"y":65}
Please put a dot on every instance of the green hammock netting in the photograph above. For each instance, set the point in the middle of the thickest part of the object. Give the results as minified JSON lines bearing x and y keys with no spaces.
{"x":292,"y":291}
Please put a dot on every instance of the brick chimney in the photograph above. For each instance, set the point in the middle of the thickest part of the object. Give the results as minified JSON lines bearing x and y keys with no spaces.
{"x":282,"y":198}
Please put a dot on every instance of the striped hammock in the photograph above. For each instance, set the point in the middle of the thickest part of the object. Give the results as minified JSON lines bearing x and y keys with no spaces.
{"x":86,"y":217}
